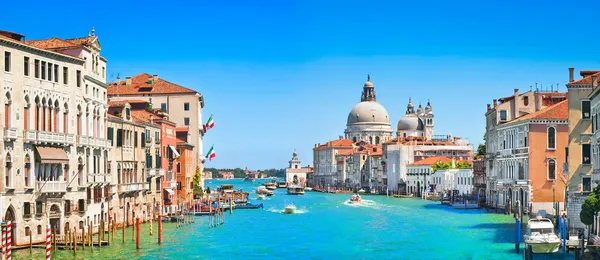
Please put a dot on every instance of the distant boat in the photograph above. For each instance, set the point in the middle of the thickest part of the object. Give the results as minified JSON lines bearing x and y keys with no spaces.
{"x":270,"y":193}
{"x":361,"y":191}
{"x":282,"y":185}
{"x":261,"y":197}
{"x":308,"y":189}
{"x":355,"y":199}
{"x":290,"y":209}
{"x":271,"y":186}
{"x":295,"y":190}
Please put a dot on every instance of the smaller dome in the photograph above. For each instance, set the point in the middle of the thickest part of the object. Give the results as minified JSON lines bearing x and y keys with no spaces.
{"x":295,"y":154}
{"x":410,"y":122}
{"x":420,"y":110}
{"x":368,"y":83}
{"x":428,"y":107}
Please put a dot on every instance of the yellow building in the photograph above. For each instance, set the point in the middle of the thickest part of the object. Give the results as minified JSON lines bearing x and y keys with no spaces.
{"x":578,"y":151}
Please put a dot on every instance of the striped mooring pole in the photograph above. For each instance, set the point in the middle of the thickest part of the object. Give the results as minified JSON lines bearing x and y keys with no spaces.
{"x":48,"y":242}
{"x":9,"y":240}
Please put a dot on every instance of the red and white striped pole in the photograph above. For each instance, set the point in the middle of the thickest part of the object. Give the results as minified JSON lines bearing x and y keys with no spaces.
{"x":48,"y":242}
{"x":9,"y":241}
{"x":3,"y":242}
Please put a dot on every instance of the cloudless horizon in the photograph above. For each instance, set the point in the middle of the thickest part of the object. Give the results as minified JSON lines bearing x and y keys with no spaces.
{"x":283,"y":75}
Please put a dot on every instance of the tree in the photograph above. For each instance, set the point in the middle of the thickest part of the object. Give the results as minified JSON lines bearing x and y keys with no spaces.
{"x":197,"y":177}
{"x":590,"y":206}
{"x":481,"y":150}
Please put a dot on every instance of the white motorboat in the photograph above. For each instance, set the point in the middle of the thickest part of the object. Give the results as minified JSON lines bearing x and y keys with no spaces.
{"x":295,"y":190}
{"x":261,"y":196}
{"x":355,"y":199}
{"x":308,"y":189}
{"x":361,"y":191}
{"x":541,"y":237}
{"x":290,"y":209}
{"x":269,"y":193}
{"x":271,"y":185}
{"x":261,"y":190}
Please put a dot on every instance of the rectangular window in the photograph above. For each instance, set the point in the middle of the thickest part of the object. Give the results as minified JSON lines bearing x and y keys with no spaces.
{"x":186,"y":106}
{"x":56,"y":73}
{"x":157,"y":136}
{"x":186,"y":121}
{"x":119,"y":137}
{"x":36,"y":72}
{"x":566,"y":154}
{"x":502,"y":115}
{"x":586,"y":154}
{"x":38,"y":208}
{"x":49,"y":71}
{"x":110,"y":133}
{"x":135,"y":139}
{"x":26,"y":66}
{"x":79,"y":78}
{"x":7,"y":61}
{"x":43,"y":70}
{"x":65,"y":75}
{"x":103,"y":72}
{"x":587,"y":184}
{"x":27,"y":209}
{"x":585,"y":109}
{"x":163,"y":107}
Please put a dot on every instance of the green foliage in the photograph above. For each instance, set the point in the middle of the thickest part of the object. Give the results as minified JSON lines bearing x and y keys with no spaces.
{"x":208,"y":190}
{"x":241,"y":173}
{"x":198,"y":191}
{"x":589,"y":207}
{"x":448,"y":165}
{"x":197,"y":177}
{"x":481,"y":150}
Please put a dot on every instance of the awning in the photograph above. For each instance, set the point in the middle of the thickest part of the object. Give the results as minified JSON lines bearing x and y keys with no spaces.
{"x":175,"y":153}
{"x":52,"y":155}
{"x":170,"y":191}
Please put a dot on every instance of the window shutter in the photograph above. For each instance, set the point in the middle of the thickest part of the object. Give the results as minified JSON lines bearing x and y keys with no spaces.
{"x":119,"y":137}
{"x":143,"y":140}
{"x":111,"y":133}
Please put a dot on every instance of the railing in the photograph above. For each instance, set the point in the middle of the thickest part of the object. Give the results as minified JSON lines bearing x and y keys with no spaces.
{"x":130,"y":187}
{"x":107,"y":178}
{"x":145,"y":186}
{"x":173,"y":185}
{"x":82,"y":140}
{"x":91,"y":178}
{"x":29,"y":136}
{"x":51,"y":186}
{"x":514,"y":151}
{"x":70,"y":138}
{"x":151,"y":172}
{"x":91,"y":141}
{"x":10,"y":133}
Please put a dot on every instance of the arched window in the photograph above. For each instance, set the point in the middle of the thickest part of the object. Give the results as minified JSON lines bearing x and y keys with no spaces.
{"x":377,"y":140}
{"x":370,"y":139}
{"x":354,"y":139}
{"x":551,"y":137}
{"x":526,"y":101}
{"x":552,"y":169}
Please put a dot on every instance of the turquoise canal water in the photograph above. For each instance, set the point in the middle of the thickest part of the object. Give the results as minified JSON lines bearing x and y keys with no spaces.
{"x":325,"y":228}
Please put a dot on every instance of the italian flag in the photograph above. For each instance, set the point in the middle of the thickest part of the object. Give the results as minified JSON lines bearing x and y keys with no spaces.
{"x":211,"y":153}
{"x":210,"y":124}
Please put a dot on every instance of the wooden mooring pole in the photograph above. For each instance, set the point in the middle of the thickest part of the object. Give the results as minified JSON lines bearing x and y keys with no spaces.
{"x":137,"y":233}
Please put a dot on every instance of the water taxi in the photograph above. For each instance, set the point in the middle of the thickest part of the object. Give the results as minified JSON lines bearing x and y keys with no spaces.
{"x":295,"y":190}
{"x":541,"y":237}
{"x":290,"y":209}
{"x":355,"y":199}
{"x":271,"y":186}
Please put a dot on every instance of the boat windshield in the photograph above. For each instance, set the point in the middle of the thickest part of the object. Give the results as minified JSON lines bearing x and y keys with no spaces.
{"x":541,"y":231}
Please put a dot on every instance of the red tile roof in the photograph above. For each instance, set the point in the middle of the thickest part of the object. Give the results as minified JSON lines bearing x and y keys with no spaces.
{"x":182,"y":129}
{"x":432,"y":160}
{"x":558,"y":111}
{"x":140,"y":81}
{"x":338,"y":143}
{"x":587,"y":77}
{"x":117,"y":103}
{"x":57,"y":43}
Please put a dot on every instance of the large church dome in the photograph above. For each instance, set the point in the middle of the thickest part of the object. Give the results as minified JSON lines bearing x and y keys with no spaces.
{"x":368,"y":112}
{"x":410,"y":122}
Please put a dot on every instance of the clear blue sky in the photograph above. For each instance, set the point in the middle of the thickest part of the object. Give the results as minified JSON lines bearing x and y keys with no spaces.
{"x":283,"y":75}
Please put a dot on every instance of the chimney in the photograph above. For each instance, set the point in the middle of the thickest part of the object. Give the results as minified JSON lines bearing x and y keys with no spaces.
{"x":155,"y":77}
{"x":118,"y":81}
{"x":594,"y":82}
{"x":516,"y":102}
{"x":495,"y":103}
{"x":489,"y":107}
{"x":128,"y":81}
{"x":571,"y":71}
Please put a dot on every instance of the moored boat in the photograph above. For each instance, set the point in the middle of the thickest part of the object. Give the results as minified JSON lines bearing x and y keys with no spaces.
{"x":271,"y":186}
{"x":261,"y":190}
{"x":295,"y":190}
{"x":541,"y":237}
{"x":282,"y":185}
{"x":308,"y":189}
{"x":261,"y":197}
{"x":250,"y":206}
{"x":290,"y":209}
{"x":270,"y":193}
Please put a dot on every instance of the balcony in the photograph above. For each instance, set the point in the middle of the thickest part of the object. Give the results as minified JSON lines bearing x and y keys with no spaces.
{"x":70,"y":138}
{"x":522,"y":151}
{"x":108,"y":178}
{"x":82,"y":140}
{"x":155,"y":172}
{"x":51,"y":186}
{"x":29,"y":136}
{"x":10,"y":133}
{"x":173,"y":185}
{"x":130,"y":187}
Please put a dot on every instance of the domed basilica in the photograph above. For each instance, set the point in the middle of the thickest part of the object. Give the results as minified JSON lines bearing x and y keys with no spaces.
{"x":369,"y":121}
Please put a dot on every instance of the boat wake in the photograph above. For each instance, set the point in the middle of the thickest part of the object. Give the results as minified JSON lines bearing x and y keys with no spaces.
{"x":281,"y":211}
{"x":362,"y":203}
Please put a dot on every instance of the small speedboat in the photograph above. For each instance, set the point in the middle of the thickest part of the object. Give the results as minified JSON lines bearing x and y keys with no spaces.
{"x":290,"y":209}
{"x":270,"y":193}
{"x":308,"y":189}
{"x":355,"y":199}
{"x":271,"y":186}
{"x":361,"y":191}
{"x":261,"y":190}
{"x":541,"y":237}
{"x":261,"y":197}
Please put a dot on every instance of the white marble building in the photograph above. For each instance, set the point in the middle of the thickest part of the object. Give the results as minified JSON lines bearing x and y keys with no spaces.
{"x":55,"y":149}
{"x":454,"y":179}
